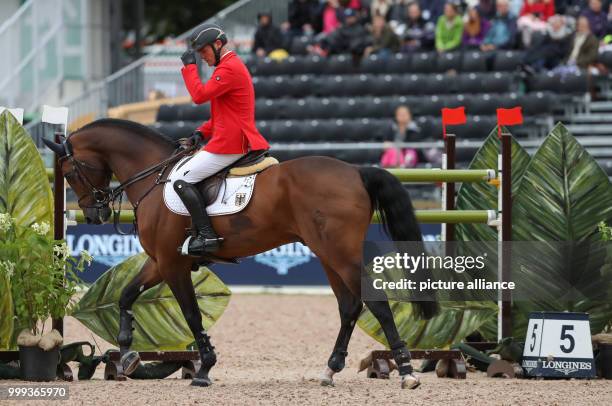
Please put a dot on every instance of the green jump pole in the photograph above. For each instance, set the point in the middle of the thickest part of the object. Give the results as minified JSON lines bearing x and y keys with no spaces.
{"x":443,"y":175}
{"x":423,"y":216}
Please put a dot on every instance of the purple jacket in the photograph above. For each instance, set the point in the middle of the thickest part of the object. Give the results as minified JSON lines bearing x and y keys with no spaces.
{"x":477,"y":40}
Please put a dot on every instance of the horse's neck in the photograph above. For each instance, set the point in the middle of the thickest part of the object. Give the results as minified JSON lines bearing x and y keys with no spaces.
{"x":125,"y":166}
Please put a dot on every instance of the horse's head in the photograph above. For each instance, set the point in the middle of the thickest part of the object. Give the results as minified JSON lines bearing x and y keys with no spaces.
{"x":88,"y":176}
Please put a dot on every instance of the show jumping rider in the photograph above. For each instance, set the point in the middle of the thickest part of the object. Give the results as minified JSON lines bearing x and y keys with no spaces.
{"x":231,"y":129}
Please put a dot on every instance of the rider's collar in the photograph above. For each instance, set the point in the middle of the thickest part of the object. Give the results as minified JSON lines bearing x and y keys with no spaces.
{"x":225,"y":54}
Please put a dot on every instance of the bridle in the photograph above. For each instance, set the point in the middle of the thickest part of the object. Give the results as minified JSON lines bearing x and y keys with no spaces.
{"x":107,"y":197}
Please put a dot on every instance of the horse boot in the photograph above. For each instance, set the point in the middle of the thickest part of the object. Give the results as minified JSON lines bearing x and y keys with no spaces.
{"x":208,"y":359}
{"x":130,"y":360}
{"x":402,"y":358}
{"x":205,"y":240}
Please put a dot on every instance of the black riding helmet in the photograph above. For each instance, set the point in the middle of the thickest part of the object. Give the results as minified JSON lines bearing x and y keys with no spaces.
{"x":207,"y":34}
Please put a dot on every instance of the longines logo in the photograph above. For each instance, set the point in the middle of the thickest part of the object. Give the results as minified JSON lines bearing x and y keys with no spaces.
{"x":107,"y":249}
{"x":285,"y":257}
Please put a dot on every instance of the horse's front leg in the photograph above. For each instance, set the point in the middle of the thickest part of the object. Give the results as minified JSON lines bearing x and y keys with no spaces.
{"x":146,"y":279}
{"x":182,"y":287}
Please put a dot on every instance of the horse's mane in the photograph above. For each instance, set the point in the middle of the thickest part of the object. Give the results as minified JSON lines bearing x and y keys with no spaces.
{"x":134,"y":127}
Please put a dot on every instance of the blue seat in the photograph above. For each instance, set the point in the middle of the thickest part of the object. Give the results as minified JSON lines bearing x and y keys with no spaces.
{"x":373,"y":64}
{"x":449,"y":61}
{"x":474,"y":61}
{"x":167,"y":112}
{"x":424,"y":62}
{"x":536,"y":103}
{"x":507,"y":60}
{"x":192,"y":112}
{"x":399,"y":63}
{"x":339,"y":65}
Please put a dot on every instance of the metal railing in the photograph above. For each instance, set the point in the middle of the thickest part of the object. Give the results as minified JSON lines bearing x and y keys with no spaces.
{"x":132,"y":83}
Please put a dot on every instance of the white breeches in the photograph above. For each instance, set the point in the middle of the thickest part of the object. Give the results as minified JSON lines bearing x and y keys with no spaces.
{"x":202,"y":165}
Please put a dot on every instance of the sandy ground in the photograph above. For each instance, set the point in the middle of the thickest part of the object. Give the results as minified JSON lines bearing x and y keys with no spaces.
{"x":271,"y":349}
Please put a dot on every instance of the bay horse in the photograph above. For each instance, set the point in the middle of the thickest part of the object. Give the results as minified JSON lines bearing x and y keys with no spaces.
{"x":322,"y":202}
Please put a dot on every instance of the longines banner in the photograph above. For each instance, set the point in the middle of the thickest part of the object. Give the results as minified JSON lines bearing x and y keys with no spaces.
{"x":292,"y":264}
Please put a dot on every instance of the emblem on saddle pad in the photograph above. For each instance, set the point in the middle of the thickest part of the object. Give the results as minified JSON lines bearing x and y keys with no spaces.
{"x":240,"y":199}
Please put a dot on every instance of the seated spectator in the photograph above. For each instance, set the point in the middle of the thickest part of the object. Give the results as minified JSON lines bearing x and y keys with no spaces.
{"x":331,"y":16}
{"x":268,"y":37}
{"x":351,"y":37}
{"x":552,"y":48}
{"x":384,"y":40}
{"x":449,"y":29}
{"x":475,"y":29}
{"x":533,"y":17}
{"x":598,"y":20}
{"x":302,"y":17}
{"x":502,"y":33}
{"x":583,"y":49}
{"x":418,"y":34}
{"x":403,"y":130}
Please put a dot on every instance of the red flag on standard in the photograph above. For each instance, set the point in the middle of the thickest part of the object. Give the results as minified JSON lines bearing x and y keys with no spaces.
{"x":452,"y":117}
{"x":513,"y":116}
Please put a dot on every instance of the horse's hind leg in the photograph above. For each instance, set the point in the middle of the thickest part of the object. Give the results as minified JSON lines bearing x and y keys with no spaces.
{"x":349,"y":307}
{"x":345,"y":259}
{"x":182,"y":287}
{"x":145,"y":279}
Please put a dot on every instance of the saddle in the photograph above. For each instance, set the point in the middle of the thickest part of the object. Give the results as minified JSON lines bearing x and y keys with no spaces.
{"x":253,"y":162}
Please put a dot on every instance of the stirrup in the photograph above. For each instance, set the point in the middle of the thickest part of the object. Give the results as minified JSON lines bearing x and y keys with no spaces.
{"x":185,"y":247}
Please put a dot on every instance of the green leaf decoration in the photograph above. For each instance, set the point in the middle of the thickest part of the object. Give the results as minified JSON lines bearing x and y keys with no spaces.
{"x":24,"y":192}
{"x":159,"y":323}
{"x":483,"y":196}
{"x":455,"y":321}
{"x":6,"y":314}
{"x":24,"y":187}
{"x":563,"y":195}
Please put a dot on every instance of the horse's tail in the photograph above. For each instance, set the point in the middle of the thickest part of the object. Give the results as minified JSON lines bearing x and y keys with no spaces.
{"x":397,"y":215}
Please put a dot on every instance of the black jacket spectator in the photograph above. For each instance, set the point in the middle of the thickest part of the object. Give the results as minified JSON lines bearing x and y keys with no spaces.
{"x":351,"y":37}
{"x":417,"y":33}
{"x":550,"y":50}
{"x":268,"y":37}
{"x":301,"y":13}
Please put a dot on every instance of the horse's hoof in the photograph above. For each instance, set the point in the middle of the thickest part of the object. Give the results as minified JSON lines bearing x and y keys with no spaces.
{"x":130,"y":361}
{"x":203,"y":382}
{"x":410,"y":381}
{"x":327,"y":377}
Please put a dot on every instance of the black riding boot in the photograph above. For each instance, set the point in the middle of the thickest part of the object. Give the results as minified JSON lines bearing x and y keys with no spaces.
{"x":206,"y":239}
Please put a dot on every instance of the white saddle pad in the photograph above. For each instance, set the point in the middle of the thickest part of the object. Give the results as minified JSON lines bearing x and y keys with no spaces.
{"x":234,"y":196}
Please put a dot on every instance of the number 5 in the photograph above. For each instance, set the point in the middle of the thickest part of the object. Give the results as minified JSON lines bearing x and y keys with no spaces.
{"x":533,"y":337}
{"x":566,"y":336}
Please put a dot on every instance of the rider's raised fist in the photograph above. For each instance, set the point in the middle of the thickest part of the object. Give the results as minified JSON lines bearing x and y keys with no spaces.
{"x":188,"y":57}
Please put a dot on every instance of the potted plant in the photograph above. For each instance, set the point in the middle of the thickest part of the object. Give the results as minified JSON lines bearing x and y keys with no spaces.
{"x":43,"y":278}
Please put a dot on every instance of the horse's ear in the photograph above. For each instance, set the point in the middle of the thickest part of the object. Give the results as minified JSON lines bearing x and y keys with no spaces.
{"x":57,"y":148}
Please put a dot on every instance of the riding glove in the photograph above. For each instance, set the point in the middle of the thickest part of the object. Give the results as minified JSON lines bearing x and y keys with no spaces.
{"x":188,"y":57}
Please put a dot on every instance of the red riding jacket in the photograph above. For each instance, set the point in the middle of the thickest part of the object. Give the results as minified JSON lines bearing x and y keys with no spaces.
{"x":232,"y":106}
